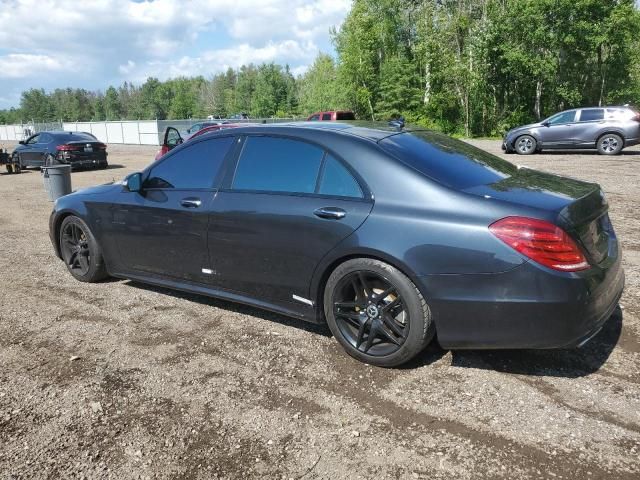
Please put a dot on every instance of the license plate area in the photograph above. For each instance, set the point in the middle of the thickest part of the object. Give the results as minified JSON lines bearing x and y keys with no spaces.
{"x":88,"y":149}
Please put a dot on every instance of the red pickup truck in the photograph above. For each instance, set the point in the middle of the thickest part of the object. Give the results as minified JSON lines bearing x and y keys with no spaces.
{"x":332,"y":115}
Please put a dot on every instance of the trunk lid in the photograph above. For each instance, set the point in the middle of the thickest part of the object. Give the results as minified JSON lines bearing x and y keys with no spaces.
{"x":580,"y":208}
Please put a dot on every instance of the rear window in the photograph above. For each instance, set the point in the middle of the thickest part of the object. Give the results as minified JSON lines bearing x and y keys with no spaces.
{"x":592,"y":114}
{"x":326,"y":116}
{"x":76,"y":137}
{"x":451,"y":162}
{"x":621,"y":113}
{"x":345,"y":116}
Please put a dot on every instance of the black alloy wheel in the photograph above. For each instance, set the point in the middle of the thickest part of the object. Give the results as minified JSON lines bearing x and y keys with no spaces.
{"x":370,"y":313}
{"x":75,"y":249}
{"x":80,"y":251}
{"x":377,"y":313}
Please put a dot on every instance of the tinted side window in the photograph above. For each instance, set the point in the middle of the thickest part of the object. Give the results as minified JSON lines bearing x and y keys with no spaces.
{"x":278,"y":165}
{"x":34,"y":139}
{"x":314,"y":118}
{"x":564,"y":117}
{"x":592,"y":114}
{"x":326,"y":116}
{"x":336,"y":180}
{"x":196,"y":166}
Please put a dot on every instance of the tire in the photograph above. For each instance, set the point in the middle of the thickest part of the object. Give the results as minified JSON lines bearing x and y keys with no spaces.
{"x":78,"y":243}
{"x":610,"y":144}
{"x":9,"y":168}
{"x":17,"y":163}
{"x":525,"y":145}
{"x":365,"y":322}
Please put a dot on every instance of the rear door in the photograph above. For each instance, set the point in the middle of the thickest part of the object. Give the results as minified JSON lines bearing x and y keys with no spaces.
{"x":287,"y":204}
{"x":163,"y":229}
{"x":590,"y":124}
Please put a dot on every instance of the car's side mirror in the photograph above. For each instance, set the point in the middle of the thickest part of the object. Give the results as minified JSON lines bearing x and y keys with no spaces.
{"x":21,"y":142}
{"x":545,"y":124}
{"x":134,"y":182}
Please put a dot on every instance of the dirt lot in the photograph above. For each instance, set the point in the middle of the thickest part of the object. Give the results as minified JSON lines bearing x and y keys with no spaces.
{"x":119,"y":380}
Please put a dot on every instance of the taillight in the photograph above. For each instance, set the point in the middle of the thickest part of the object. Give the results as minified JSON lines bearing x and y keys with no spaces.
{"x":67,"y":148}
{"x":100,"y":146}
{"x":542,"y":242}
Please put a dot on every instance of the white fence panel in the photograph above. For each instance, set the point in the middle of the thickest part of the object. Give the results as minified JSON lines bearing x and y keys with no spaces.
{"x":14,"y":133}
{"x":99,"y":130}
{"x":130,"y":133}
{"x":148,"y":132}
{"x":143,"y":132}
{"x":114,"y":132}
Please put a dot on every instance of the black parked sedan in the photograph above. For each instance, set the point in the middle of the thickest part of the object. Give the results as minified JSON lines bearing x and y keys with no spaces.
{"x":388,"y":236}
{"x":78,"y":149}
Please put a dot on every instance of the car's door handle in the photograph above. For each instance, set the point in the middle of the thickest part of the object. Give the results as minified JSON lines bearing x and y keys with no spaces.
{"x":190,"y":202}
{"x":333,"y":213}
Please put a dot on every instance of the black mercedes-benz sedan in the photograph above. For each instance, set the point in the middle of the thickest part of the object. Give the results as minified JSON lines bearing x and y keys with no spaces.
{"x":389,"y":236}
{"x":45,"y":149}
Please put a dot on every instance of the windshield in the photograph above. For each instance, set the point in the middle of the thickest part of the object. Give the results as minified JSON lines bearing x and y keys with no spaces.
{"x":448,"y":161}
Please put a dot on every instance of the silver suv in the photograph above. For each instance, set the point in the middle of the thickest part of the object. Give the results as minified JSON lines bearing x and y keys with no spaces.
{"x":607,"y":129}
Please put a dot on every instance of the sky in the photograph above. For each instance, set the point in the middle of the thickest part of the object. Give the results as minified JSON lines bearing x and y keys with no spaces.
{"x":92,"y":44}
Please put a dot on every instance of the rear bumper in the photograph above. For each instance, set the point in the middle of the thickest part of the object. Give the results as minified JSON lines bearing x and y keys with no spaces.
{"x":527,"y":307}
{"x":99,"y":159}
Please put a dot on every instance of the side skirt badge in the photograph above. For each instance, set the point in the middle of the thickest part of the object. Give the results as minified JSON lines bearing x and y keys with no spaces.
{"x":303,"y":300}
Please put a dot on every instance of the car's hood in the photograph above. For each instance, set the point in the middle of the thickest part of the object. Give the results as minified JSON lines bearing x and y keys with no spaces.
{"x":99,"y":189}
{"x":523,"y":127}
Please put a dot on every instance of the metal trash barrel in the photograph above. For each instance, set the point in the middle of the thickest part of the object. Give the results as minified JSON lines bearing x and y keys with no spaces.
{"x":57,"y":181}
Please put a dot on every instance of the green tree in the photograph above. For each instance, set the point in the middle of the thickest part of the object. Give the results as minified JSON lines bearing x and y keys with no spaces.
{"x":112,"y":106}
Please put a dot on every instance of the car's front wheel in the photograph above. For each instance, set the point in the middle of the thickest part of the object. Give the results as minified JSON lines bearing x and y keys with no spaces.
{"x":525,"y":145}
{"x":376,"y":312}
{"x":80,"y":251}
{"x":17,"y":164}
{"x":610,"y":144}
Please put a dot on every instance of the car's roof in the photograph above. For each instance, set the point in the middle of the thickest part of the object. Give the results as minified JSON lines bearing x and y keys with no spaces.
{"x":64,"y":132}
{"x":374,"y":131}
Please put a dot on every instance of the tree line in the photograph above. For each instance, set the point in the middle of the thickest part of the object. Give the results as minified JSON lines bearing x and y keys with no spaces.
{"x":468,"y":67}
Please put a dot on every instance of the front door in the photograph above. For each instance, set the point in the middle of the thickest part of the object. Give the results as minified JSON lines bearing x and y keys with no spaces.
{"x":288,"y":205}
{"x":561,"y":131}
{"x":162,"y":230}
{"x":29,"y":154}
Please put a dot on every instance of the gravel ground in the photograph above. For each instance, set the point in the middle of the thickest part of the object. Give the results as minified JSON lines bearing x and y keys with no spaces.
{"x":121,"y":380}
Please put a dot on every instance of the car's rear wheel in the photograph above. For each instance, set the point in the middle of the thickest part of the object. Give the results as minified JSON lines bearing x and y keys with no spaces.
{"x":610,"y":144}
{"x":525,"y":145}
{"x":80,"y":251}
{"x":377,"y":313}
